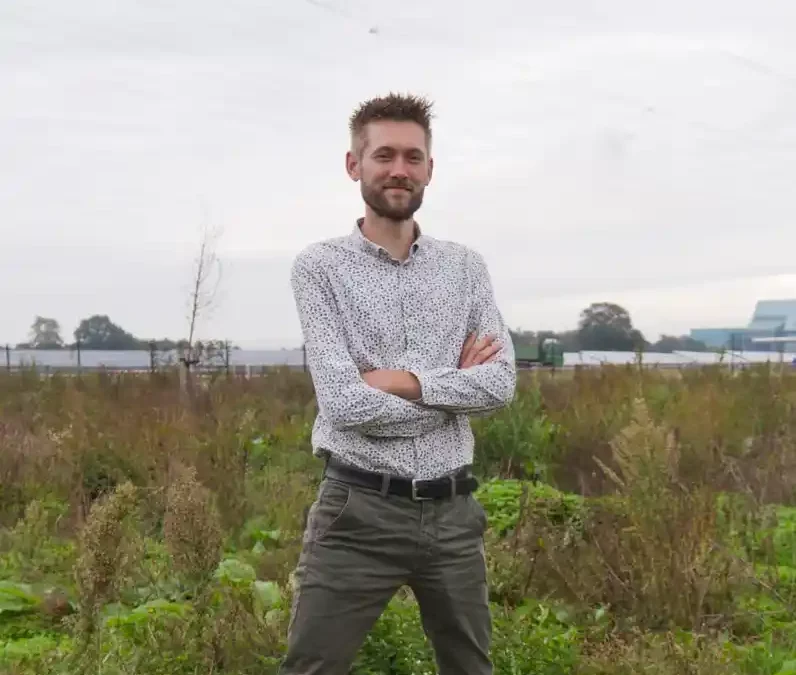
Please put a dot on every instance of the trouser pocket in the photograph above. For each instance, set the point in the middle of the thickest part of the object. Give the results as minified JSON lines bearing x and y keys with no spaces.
{"x":330,"y":509}
{"x":478,"y":513}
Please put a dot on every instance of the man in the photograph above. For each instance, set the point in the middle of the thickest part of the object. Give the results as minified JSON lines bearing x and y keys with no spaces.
{"x":403,"y":341}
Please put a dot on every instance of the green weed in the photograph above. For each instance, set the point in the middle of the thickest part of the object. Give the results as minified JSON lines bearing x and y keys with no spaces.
{"x":639,"y":521}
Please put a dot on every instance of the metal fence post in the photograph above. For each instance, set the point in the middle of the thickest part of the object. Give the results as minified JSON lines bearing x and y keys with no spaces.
{"x":8,"y":358}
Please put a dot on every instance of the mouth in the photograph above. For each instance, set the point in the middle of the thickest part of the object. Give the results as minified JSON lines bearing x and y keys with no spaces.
{"x":393,"y":188}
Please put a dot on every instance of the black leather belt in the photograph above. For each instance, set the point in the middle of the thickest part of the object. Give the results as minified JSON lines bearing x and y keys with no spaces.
{"x":460,"y":483}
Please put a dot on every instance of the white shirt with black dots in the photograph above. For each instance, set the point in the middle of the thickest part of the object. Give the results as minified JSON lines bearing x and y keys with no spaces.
{"x":360,"y":309}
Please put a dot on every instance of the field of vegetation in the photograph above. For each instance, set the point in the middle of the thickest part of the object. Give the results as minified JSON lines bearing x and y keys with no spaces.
{"x":641,"y":521}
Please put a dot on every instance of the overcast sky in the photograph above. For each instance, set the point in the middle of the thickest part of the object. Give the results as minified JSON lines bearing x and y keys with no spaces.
{"x":637,"y":151}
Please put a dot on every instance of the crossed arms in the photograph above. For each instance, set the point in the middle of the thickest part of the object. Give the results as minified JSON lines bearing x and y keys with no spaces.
{"x":394,"y":403}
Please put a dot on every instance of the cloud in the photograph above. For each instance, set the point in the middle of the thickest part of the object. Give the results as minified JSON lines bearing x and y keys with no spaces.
{"x":627,"y":149}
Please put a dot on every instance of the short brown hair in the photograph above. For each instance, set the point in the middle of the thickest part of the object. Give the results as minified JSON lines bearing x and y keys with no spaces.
{"x":396,"y":107}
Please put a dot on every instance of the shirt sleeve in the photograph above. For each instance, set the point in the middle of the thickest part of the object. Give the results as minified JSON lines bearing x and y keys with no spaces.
{"x":482,"y":388}
{"x":345,"y":400}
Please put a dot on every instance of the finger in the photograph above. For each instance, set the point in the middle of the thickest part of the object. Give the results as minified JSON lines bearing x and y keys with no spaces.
{"x":467,"y":349}
{"x":471,"y":356}
{"x":490,"y":358}
{"x":494,"y":357}
{"x":483,"y":343}
{"x":485,"y":355}
{"x":468,"y":343}
{"x":489,"y":352}
{"x":486,"y":347}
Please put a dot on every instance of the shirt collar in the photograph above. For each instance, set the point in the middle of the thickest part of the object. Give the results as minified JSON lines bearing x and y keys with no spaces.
{"x":362,"y":243}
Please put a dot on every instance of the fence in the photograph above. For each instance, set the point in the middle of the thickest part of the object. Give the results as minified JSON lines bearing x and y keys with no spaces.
{"x":73,"y":360}
{"x":251,"y":361}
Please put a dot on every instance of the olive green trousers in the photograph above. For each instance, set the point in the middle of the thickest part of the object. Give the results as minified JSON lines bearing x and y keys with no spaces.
{"x":359,"y":549}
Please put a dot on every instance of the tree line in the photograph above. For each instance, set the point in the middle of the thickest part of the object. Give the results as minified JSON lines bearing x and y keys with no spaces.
{"x":98,"y":332}
{"x":606,"y":327}
{"x":602,"y":326}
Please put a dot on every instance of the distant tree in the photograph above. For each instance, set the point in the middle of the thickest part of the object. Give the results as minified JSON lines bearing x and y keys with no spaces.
{"x":99,"y":332}
{"x":167,"y":345}
{"x":45,"y":333}
{"x":605,"y":326}
{"x":673,"y":343}
{"x":204,"y":286}
{"x":569,"y":339}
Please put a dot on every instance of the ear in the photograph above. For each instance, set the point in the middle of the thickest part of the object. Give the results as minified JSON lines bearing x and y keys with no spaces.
{"x":430,"y":169}
{"x":352,"y":166}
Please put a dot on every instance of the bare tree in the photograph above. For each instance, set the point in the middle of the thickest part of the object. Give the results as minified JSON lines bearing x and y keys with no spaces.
{"x":205,"y":282}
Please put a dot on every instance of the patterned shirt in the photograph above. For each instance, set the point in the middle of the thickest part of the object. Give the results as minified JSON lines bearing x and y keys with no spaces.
{"x":361,"y":309}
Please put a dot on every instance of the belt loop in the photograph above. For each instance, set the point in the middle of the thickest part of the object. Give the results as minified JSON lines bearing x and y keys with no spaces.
{"x":453,"y":485}
{"x":385,"y":484}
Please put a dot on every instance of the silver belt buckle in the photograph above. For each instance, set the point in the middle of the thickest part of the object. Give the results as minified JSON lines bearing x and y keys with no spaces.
{"x":415,"y":496}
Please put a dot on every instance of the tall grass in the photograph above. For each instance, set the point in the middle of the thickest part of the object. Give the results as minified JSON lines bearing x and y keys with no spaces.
{"x":640,"y":521}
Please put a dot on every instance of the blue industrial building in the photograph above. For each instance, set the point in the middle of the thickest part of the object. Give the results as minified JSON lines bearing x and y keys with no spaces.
{"x":771,"y":319}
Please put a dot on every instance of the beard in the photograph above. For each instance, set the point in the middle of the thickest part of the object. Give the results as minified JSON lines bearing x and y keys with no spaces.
{"x":376,"y":198}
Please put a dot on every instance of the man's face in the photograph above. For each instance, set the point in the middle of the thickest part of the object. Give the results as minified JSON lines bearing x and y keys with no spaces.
{"x":394,"y":168}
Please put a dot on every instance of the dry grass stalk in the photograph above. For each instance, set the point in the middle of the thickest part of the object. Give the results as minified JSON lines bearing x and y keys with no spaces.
{"x":105,"y":552}
{"x":192,"y":526}
{"x":649,"y":552}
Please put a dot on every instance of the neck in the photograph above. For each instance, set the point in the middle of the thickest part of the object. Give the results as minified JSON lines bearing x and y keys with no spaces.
{"x":395,"y":237}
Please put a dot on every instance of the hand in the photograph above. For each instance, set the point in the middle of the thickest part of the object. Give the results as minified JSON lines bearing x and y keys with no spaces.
{"x":397,"y":382}
{"x":476,"y":352}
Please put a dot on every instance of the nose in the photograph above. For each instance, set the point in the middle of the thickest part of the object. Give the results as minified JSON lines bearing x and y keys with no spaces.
{"x":398,"y":168}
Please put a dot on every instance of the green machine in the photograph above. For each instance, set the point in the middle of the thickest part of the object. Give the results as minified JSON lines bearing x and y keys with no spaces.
{"x":549,"y":353}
